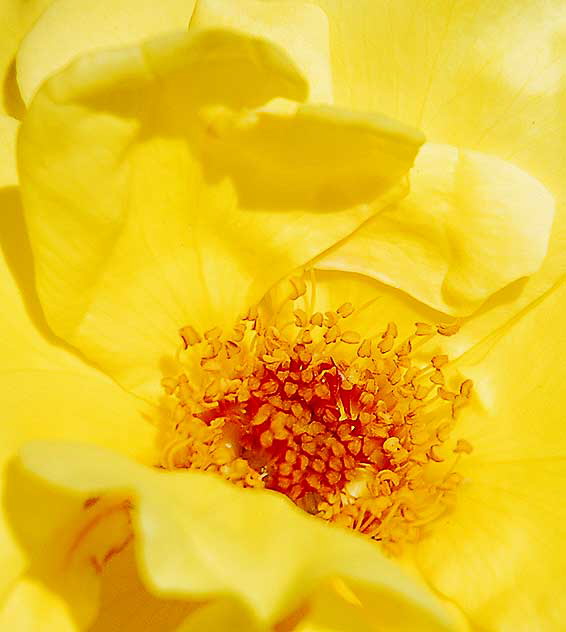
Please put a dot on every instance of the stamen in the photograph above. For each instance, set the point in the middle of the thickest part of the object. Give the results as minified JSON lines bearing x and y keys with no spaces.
{"x":354,"y":430}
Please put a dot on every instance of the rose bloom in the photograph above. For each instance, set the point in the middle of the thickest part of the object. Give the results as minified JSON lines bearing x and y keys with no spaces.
{"x":273,"y":358}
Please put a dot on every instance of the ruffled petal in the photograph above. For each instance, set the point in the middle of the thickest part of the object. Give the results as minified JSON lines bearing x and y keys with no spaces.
{"x":198,"y":536}
{"x":220,"y":615}
{"x":300,"y":28}
{"x":126,"y":605}
{"x":16,"y":18}
{"x":30,"y":604}
{"x":69,"y":29}
{"x":471,"y":225}
{"x":336,"y":608}
{"x":500,"y":555}
{"x":477,"y":75}
{"x":146,"y":214}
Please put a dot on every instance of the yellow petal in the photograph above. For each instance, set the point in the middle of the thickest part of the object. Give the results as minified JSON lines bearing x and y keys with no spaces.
{"x":300,"y":28}
{"x":127,"y":606}
{"x":8,"y":172}
{"x":347,"y":157}
{"x":478,"y":75}
{"x":47,"y":392}
{"x":501,"y":555}
{"x":329,"y":612}
{"x":221,"y":615}
{"x":470,"y":225}
{"x":198,"y":536}
{"x":16,"y":18}
{"x":69,"y":29}
{"x":30,"y":606}
{"x":155,"y":224}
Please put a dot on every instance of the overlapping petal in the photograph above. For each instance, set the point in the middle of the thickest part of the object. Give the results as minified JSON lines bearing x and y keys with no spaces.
{"x":471,"y":225}
{"x":46,"y":391}
{"x":300,"y":28}
{"x":159,"y":194}
{"x":69,"y":29}
{"x":338,"y":609}
{"x":16,"y":18}
{"x":195,"y":539}
{"x":501,"y":554}
{"x":479,"y":76}
{"x":126,"y":604}
{"x":8,"y":172}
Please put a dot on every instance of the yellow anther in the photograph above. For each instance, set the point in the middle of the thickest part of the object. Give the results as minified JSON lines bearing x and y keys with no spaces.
{"x":239,"y":332}
{"x":213,"y":334}
{"x":445,"y":394}
{"x":466,"y":388}
{"x":448,"y":329}
{"x":437,"y":377}
{"x":306,"y":337}
{"x":434,"y":453}
{"x":404,"y":349}
{"x":290,"y":388}
{"x":438,"y":361}
{"x":190,"y":336}
{"x":212,"y":349}
{"x":266,"y":439}
{"x":299,"y":288}
{"x":463,"y":446}
{"x":350,"y":337}
{"x":317,"y":319}
{"x":252,"y":313}
{"x":331,"y":335}
{"x":422,"y":392}
{"x":392,"y":444}
{"x":262,"y":415}
{"x":391,"y":330}
{"x":367,"y":399}
{"x":345,"y":310}
{"x":231,"y":348}
{"x":322,"y":391}
{"x":290,"y":456}
{"x":330,"y":319}
{"x":301,"y":319}
{"x":389,"y":475}
{"x":424,"y":329}
{"x":364,"y":350}
{"x":386,"y":344}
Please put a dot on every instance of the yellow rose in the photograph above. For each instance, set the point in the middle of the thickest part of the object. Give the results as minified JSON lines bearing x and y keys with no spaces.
{"x":170,"y":186}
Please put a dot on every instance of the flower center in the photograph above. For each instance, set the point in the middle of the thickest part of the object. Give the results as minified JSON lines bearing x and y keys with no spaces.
{"x":354,"y":430}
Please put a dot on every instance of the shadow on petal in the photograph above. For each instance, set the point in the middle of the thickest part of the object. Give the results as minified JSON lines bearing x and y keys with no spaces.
{"x":15,"y":245}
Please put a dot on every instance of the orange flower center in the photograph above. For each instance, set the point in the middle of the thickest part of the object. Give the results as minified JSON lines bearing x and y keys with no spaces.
{"x":354,"y":430}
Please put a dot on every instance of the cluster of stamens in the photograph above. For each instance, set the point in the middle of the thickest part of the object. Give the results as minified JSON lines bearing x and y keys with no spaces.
{"x":354,"y":430}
